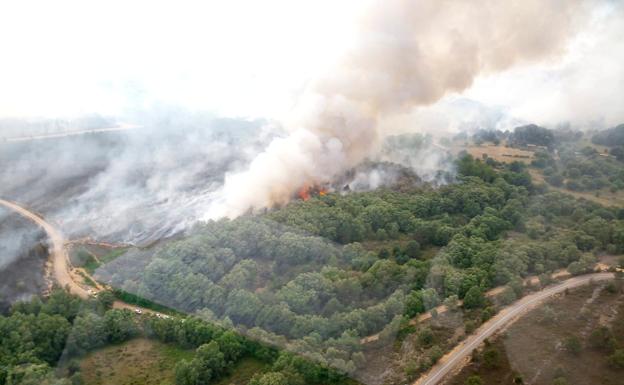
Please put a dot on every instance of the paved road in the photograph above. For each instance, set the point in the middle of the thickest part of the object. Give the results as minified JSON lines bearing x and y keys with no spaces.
{"x":58,"y":253}
{"x":461,"y":351}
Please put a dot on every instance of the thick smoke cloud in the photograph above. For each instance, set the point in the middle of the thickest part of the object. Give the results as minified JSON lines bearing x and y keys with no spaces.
{"x":22,"y":258}
{"x":409,"y":53}
{"x":131,"y":186}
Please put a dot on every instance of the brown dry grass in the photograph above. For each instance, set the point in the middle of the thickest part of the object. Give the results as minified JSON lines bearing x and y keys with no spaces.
{"x":139,"y":361}
{"x":499,"y":153}
{"x":605,"y":197}
{"x":533,"y":347}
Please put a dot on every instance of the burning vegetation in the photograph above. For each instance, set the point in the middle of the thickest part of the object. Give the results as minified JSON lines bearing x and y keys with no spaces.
{"x":308,"y":191}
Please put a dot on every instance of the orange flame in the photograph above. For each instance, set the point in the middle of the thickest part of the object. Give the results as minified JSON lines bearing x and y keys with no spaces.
{"x":304,"y":192}
{"x":307,"y":191}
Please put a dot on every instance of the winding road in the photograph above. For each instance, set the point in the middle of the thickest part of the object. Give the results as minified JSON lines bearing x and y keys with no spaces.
{"x":60,"y":258}
{"x":58,"y":253}
{"x":60,"y":268}
{"x":500,"y":320}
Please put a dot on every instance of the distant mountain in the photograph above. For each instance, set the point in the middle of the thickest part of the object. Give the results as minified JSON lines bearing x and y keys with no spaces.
{"x":611,"y":137}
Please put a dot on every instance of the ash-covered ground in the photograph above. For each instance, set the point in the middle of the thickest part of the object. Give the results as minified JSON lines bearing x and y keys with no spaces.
{"x":141,"y":185}
{"x":132,"y":186}
{"x":23,"y":254}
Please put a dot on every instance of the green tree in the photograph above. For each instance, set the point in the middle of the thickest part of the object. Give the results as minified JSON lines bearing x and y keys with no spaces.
{"x":425,"y":337}
{"x":271,"y":378}
{"x":230,"y":345}
{"x":412,"y":249}
{"x":119,"y":325}
{"x":88,"y":332}
{"x":210,"y":361}
{"x":62,"y":303}
{"x":474,"y":298}
{"x":414,"y":303}
{"x":186,"y":373}
{"x":491,"y":358}
{"x":106,"y":299}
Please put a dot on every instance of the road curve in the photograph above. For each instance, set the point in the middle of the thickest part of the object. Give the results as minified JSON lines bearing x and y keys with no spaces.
{"x":465,"y":348}
{"x":58,"y":253}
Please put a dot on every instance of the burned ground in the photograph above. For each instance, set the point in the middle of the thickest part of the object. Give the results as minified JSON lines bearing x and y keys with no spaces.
{"x":23,"y":254}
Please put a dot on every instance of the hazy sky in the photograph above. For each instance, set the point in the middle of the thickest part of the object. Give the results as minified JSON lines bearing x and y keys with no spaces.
{"x":251,"y":58}
{"x":235,"y":57}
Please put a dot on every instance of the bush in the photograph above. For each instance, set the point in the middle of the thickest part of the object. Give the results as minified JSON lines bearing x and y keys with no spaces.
{"x":602,"y":338}
{"x":560,"y":381}
{"x":412,"y":249}
{"x":487,"y":313}
{"x":435,"y":353}
{"x":491,"y":358}
{"x":616,"y":360}
{"x":425,"y":337}
{"x":474,"y":380}
{"x":573,"y":345}
{"x":474,"y":298}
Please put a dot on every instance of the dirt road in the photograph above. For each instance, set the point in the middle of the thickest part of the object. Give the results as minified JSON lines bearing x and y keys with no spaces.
{"x":64,"y":134}
{"x":58,"y":253}
{"x":533,"y":280}
{"x":60,"y":259}
{"x":503,"y":318}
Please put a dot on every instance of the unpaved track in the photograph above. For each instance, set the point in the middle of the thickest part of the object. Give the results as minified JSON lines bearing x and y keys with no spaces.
{"x":533,"y":280}
{"x":58,"y":253}
{"x":59,"y":257}
{"x":502,"y":319}
{"x":64,"y":134}
{"x":60,"y":262}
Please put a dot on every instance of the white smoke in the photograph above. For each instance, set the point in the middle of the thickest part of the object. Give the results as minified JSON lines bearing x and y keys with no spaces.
{"x":409,"y":54}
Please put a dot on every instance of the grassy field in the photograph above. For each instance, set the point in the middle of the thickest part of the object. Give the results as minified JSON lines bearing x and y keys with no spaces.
{"x":535,"y":347}
{"x":146,"y":362}
{"x":137,"y":362}
{"x":603,"y":197}
{"x":499,"y":153}
{"x":91,"y":257}
{"x":243,"y":372}
{"x":504,"y":154}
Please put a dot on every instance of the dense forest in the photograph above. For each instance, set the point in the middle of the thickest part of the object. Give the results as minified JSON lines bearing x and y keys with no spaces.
{"x":610,"y":137}
{"x":532,"y":135}
{"x":579,"y":166}
{"x":40,"y":342}
{"x":316,"y":276}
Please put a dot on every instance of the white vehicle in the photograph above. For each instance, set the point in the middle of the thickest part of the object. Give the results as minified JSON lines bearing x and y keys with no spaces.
{"x":138,"y":311}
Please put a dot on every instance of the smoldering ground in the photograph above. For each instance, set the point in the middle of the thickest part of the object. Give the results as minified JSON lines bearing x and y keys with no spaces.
{"x":22,"y":256}
{"x":130,"y":186}
{"x":141,"y":185}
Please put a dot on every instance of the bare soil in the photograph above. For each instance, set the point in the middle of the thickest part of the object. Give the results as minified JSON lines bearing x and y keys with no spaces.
{"x":499,"y":153}
{"x":534,"y":347}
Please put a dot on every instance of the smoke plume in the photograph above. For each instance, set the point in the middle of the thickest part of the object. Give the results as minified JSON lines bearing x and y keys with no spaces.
{"x":409,"y":53}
